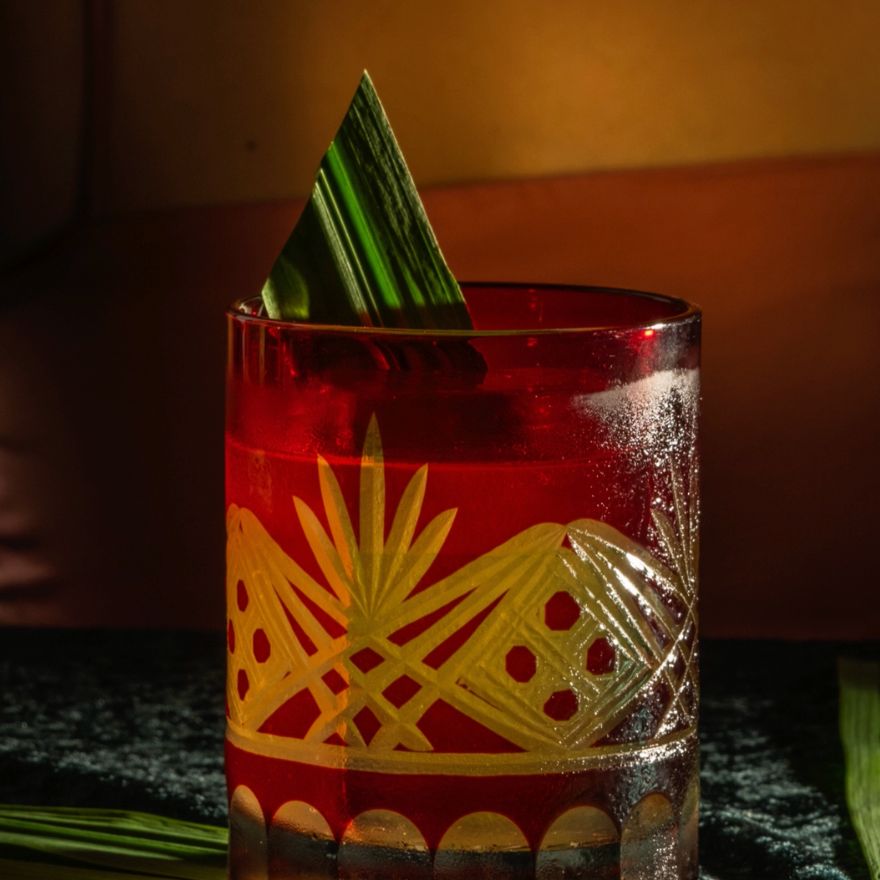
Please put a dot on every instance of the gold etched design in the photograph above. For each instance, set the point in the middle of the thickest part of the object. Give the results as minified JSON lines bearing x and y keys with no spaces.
{"x":248,"y":858}
{"x":680,"y":539}
{"x":301,"y":845}
{"x":616,"y":757}
{"x":649,"y":842}
{"x":384,"y":828}
{"x":298,"y":817}
{"x":484,"y":832}
{"x":483,"y":845}
{"x":582,"y":842}
{"x":344,"y":641}
{"x":580,"y":827}
{"x":383,"y":843}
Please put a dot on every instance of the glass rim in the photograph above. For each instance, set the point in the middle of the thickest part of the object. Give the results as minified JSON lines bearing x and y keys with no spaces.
{"x":683,"y":312}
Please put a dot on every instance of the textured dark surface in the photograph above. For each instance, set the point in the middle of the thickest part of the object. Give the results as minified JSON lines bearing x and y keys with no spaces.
{"x":135,"y":720}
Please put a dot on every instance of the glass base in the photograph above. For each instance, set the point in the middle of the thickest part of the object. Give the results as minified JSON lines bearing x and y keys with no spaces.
{"x":306,"y":858}
{"x":656,"y":842}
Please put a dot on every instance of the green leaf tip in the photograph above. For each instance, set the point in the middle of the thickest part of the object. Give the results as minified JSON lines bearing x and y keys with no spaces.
{"x":363,"y":251}
{"x":860,"y":733}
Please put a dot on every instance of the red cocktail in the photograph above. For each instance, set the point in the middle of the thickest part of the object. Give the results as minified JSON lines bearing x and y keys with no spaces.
{"x":462,"y":573}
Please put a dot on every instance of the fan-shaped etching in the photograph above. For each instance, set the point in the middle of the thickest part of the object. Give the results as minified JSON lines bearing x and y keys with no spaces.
{"x":290,"y":633}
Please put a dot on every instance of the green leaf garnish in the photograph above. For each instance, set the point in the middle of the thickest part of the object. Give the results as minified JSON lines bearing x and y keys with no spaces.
{"x":87,"y":844}
{"x":363,"y":251}
{"x":860,"y":733}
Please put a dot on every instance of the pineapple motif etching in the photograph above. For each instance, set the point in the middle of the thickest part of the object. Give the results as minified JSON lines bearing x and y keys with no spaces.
{"x":547,"y":642}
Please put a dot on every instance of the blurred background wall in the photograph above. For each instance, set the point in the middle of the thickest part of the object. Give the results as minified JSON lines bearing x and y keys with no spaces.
{"x":152,"y":153}
{"x":42,"y":113}
{"x":210,"y":101}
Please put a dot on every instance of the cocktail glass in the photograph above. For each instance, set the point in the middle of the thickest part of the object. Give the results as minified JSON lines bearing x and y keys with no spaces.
{"x":461,"y":587}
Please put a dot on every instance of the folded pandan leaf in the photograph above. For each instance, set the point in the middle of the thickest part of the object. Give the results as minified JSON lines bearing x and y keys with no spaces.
{"x":363,"y":251}
{"x":60,"y":843}
{"x":860,"y":733}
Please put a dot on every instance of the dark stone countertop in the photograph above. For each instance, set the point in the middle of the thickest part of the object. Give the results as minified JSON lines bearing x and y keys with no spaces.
{"x":135,"y":720}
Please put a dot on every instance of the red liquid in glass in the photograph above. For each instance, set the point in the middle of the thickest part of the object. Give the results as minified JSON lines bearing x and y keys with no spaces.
{"x":516,"y":432}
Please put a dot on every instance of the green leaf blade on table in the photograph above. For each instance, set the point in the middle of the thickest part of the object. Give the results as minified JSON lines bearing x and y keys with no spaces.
{"x":106,"y":842}
{"x":363,"y":251}
{"x":15,"y":869}
{"x":860,"y":734}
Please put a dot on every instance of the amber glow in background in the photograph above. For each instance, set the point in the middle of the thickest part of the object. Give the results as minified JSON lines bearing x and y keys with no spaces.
{"x":213,"y":101}
{"x":725,"y":152}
